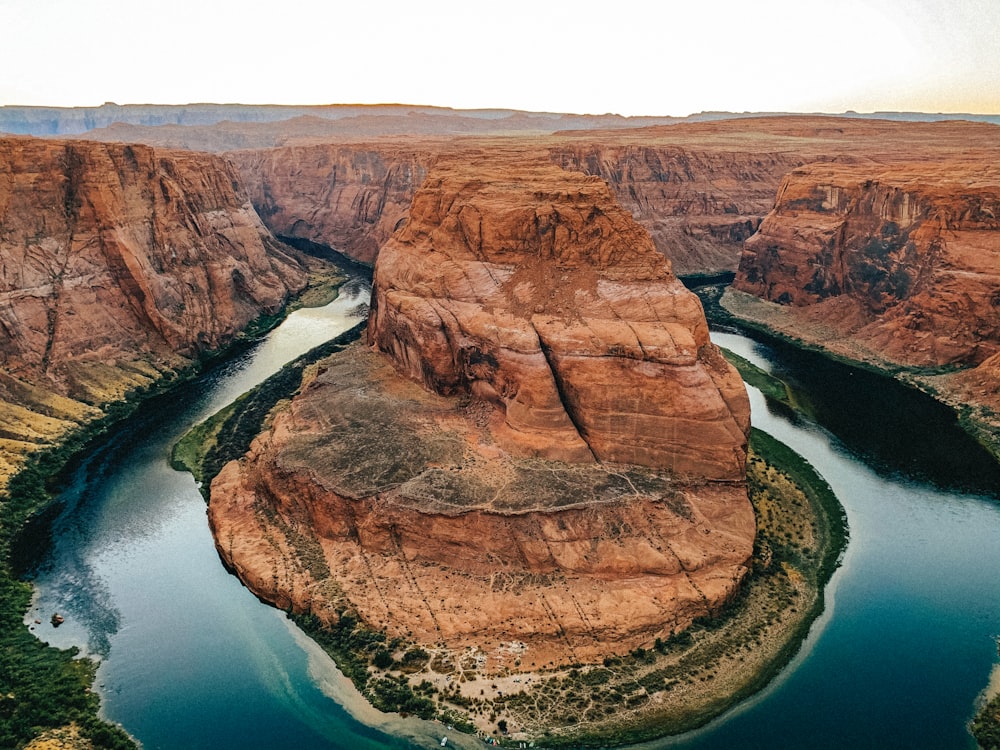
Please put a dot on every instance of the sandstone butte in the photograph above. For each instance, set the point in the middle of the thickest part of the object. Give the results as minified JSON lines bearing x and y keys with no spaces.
{"x":538,"y":460}
{"x":118,"y":264}
{"x":896,"y":265}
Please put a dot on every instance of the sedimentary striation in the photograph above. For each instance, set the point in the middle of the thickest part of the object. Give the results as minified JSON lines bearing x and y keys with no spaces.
{"x":699,"y":189}
{"x":894,"y":265}
{"x":348,"y":197}
{"x":901,"y":260}
{"x":119,"y":263}
{"x":539,"y":461}
{"x":538,"y":293}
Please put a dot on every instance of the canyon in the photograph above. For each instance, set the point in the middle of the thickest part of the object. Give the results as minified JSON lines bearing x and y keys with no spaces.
{"x":119,"y":264}
{"x":541,"y":426}
{"x":553,"y":435}
{"x":894,"y":265}
{"x":700,"y":189}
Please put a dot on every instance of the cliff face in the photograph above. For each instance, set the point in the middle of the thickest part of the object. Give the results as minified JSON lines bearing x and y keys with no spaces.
{"x":350,"y":198}
{"x":699,"y":205}
{"x":901,"y":260}
{"x":699,"y":189}
{"x":529,"y":462}
{"x":117,"y":263}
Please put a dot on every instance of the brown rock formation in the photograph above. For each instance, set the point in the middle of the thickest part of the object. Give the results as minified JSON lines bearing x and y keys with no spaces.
{"x":699,"y":189}
{"x":541,"y":295}
{"x":349,"y":197}
{"x":508,"y":511}
{"x":699,"y":205}
{"x":116,"y":263}
{"x":372,"y":494}
{"x":898,"y":261}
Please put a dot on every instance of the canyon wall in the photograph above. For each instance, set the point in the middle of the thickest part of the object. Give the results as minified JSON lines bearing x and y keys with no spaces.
{"x":540,"y":450}
{"x":699,"y":189}
{"x":348,"y":197}
{"x":698,"y":206}
{"x":118,"y":263}
{"x":902,"y":262}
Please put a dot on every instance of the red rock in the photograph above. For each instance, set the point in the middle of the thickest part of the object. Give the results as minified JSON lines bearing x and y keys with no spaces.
{"x":118,"y":263}
{"x":532,"y":456}
{"x":699,"y":189}
{"x":373,"y":494}
{"x":537,"y":292}
{"x":900,"y":261}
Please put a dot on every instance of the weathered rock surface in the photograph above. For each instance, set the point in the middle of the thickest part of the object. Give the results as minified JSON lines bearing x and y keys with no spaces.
{"x":372,"y":494}
{"x":902,"y":261}
{"x":117,"y":263}
{"x":699,"y":205}
{"x":538,"y":293}
{"x":546,"y":461}
{"x":699,"y":189}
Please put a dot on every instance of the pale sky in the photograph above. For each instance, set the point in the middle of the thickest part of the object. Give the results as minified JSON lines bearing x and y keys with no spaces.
{"x":623,"y":56}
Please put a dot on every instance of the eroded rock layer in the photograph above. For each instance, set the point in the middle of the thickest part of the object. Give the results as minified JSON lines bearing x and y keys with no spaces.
{"x":541,"y":295}
{"x":699,"y":189}
{"x":542,"y":448}
{"x":901,"y":262}
{"x":118,"y":262}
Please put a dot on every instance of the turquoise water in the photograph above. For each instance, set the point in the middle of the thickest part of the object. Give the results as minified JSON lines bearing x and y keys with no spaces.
{"x":908,"y":638}
{"x":190,"y":659}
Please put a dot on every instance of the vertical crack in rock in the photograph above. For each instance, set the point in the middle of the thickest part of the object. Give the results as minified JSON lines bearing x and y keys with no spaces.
{"x":564,"y":398}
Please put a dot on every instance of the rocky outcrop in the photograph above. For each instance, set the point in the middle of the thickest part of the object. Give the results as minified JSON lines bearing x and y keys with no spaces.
{"x":373,"y":495}
{"x":117,"y":263}
{"x":898,"y":262}
{"x":542,"y":451}
{"x":539,"y":294}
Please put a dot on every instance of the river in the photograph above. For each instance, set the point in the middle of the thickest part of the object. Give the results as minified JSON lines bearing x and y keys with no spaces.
{"x":190,"y":659}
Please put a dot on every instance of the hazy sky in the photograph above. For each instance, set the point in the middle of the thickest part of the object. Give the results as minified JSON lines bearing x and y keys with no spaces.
{"x":651,"y":57}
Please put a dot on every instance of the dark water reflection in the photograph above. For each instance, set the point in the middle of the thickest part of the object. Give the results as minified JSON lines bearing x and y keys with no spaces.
{"x":894,"y":429}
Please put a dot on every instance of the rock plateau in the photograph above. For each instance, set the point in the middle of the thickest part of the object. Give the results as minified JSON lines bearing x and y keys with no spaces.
{"x":540,"y":460}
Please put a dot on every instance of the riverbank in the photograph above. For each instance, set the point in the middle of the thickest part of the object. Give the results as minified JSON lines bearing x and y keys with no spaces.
{"x":978,"y":419}
{"x":985,"y":727}
{"x":43,"y":688}
{"x":975,"y":404}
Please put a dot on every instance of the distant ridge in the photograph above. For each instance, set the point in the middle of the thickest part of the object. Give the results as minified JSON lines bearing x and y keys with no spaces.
{"x":898,"y":116}
{"x":63,"y":121}
{"x":59,"y":121}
